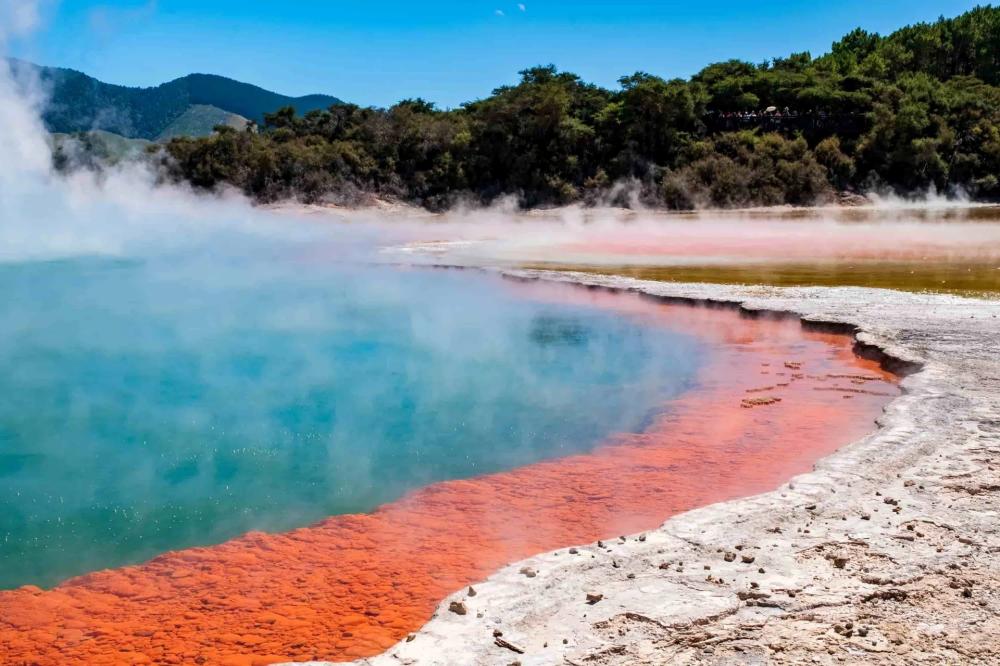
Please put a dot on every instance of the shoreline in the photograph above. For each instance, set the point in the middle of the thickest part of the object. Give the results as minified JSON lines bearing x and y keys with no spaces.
{"x":394,"y":207}
{"x":883,"y":553}
{"x":353,"y":585}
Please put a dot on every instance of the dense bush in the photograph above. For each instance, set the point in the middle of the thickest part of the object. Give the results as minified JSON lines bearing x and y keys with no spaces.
{"x":917,"y":109}
{"x":746,"y":169}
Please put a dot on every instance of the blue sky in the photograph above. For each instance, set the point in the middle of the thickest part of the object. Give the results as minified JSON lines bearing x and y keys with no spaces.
{"x":447,"y":52}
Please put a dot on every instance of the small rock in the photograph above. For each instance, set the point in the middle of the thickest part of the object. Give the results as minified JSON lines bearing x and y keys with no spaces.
{"x":594,"y":598}
{"x":458,"y":608}
{"x":497,"y":633}
{"x":748,"y":559}
{"x":508,"y":645}
{"x":528,"y":571}
{"x":573,"y":551}
{"x":729,"y":557}
{"x":472,"y":591}
{"x":411,"y":638}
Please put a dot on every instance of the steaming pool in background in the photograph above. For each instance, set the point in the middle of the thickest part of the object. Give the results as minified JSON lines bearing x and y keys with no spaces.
{"x":160,"y":403}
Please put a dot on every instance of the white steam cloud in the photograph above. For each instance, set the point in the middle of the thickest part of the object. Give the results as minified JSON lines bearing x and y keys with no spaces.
{"x":22,"y":137}
{"x":46,"y":215}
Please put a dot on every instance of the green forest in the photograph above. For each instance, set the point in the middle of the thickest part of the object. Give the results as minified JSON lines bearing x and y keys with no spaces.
{"x":918,"y":109}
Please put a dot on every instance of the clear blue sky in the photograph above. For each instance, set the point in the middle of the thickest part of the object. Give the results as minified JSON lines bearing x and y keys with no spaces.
{"x":375,"y":52}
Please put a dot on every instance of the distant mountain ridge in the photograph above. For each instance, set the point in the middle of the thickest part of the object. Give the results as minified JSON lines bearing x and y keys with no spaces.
{"x":190,"y":105}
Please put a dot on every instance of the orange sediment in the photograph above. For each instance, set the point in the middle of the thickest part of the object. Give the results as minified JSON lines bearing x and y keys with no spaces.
{"x":353,"y":585}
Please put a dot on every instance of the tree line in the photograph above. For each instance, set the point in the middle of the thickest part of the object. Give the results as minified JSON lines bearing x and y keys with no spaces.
{"x":914,"y":110}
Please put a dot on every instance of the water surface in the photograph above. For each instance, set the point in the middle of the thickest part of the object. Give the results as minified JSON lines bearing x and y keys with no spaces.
{"x":769,"y":400}
{"x":167,"y":402}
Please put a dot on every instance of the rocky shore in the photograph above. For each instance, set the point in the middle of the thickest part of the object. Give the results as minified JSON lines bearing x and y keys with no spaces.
{"x":887,"y":553}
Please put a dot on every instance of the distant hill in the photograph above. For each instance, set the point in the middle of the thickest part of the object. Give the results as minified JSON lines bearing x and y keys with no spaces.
{"x":199,"y":120}
{"x":184,"y":106}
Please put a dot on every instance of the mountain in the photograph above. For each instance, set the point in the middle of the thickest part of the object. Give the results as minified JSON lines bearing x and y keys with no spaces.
{"x":189,"y":106}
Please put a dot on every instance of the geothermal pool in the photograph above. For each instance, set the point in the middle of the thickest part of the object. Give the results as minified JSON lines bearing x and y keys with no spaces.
{"x":438,"y":424}
{"x":148,"y":408}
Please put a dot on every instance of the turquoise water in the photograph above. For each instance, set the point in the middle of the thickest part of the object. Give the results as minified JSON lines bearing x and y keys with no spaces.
{"x":155,"y":404}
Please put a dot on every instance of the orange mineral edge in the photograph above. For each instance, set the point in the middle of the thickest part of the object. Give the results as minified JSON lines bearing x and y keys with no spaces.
{"x":772,"y":399}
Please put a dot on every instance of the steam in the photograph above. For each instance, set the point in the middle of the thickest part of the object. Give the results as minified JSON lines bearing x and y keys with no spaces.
{"x":931,"y":198}
{"x":22,"y":137}
{"x":120,"y":211}
{"x":892,"y":230}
